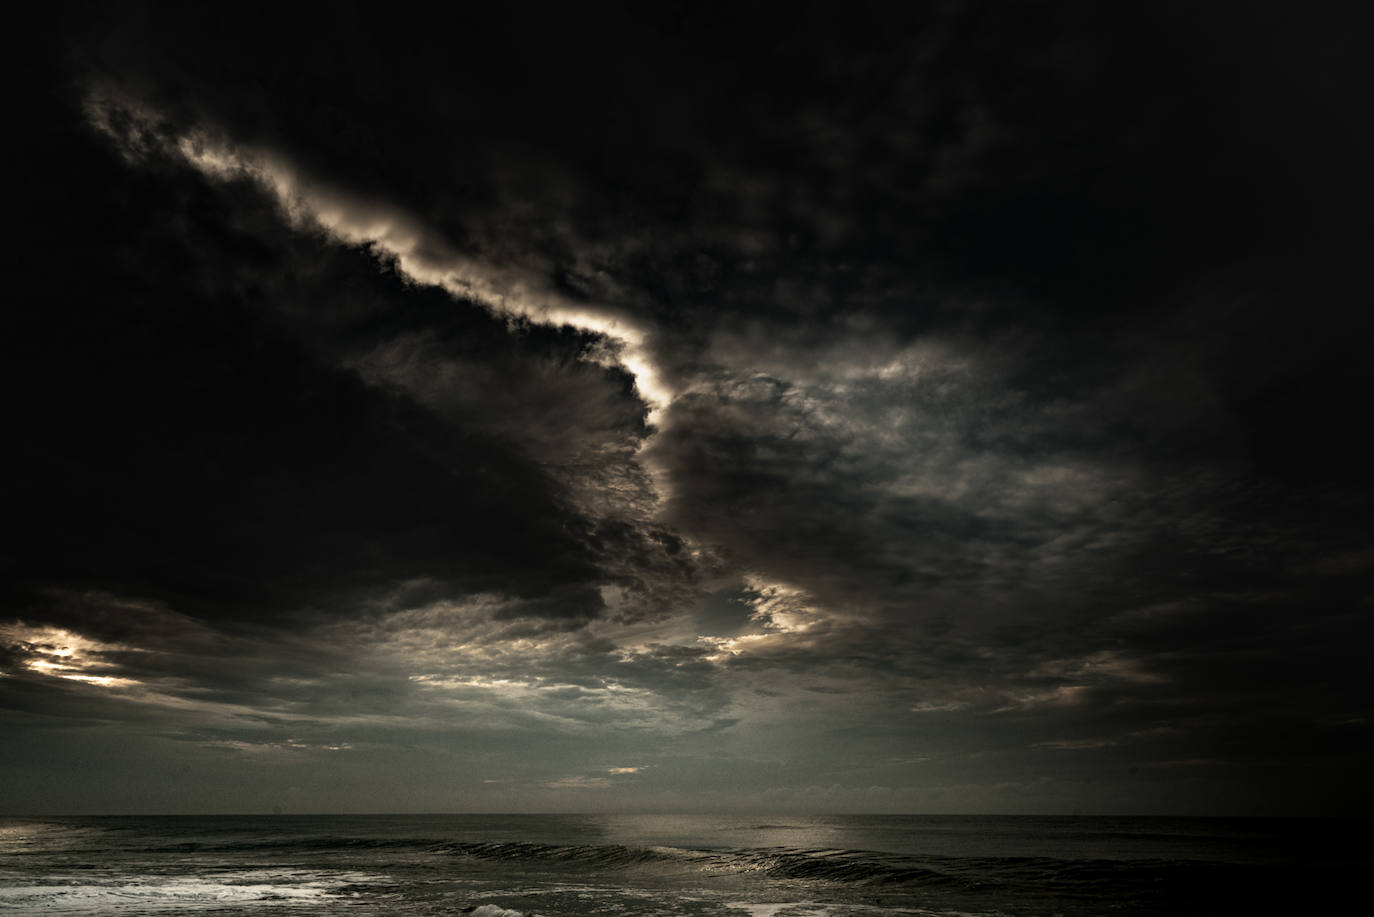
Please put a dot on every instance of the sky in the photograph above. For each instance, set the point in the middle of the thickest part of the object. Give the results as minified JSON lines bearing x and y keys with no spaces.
{"x":941,"y":407}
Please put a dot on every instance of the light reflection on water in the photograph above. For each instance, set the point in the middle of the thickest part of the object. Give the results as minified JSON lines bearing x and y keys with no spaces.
{"x":710,"y":832}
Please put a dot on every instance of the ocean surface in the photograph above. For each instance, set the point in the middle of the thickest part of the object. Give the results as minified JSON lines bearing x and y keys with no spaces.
{"x":761,"y":866}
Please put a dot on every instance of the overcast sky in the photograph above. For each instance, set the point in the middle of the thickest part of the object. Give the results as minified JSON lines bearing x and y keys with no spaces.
{"x":952,"y":407}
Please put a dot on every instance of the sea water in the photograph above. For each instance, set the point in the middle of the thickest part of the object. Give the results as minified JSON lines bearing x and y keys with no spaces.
{"x":770,"y":866}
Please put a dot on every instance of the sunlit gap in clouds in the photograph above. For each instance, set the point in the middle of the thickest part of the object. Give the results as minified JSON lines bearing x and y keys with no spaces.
{"x":421,"y":254}
{"x":782,"y":612}
{"x":60,"y":653}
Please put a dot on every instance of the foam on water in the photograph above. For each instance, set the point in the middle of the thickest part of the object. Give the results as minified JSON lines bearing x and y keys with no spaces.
{"x":84,"y":894}
{"x":785,"y":909}
{"x":816,"y":909}
{"x":495,"y":910}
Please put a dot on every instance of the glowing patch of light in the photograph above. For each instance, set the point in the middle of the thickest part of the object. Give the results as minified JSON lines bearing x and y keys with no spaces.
{"x":60,"y":653}
{"x":476,"y":681}
{"x":781,"y":607}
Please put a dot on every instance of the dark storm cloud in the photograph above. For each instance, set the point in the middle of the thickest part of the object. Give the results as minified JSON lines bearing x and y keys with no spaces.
{"x":218,"y":464}
{"x":511,"y":386}
{"x":188,"y":434}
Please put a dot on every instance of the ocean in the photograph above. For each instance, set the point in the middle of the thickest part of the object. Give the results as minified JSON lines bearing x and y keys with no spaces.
{"x":759,"y":866}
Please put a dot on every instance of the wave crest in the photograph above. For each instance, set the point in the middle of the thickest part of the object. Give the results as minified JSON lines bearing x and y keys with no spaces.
{"x":845,"y":866}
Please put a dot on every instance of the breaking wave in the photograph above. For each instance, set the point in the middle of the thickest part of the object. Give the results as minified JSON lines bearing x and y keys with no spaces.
{"x":849,"y":867}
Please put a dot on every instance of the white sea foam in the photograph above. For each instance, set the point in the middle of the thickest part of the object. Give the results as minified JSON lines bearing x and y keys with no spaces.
{"x":61,"y":894}
{"x":761,"y":910}
{"x":816,"y":909}
{"x":495,"y":910}
{"x":789,"y":909}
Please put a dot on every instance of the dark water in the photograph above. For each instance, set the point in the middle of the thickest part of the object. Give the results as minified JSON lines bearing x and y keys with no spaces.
{"x":837,"y":866}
